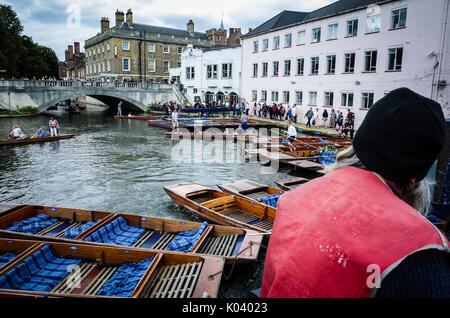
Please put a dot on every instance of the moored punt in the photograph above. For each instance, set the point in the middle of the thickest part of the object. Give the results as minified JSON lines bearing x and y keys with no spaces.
{"x":28,"y":140}
{"x":135,"y":231}
{"x":192,"y":124}
{"x":222,"y":208}
{"x":290,"y":184}
{"x":5,"y":208}
{"x":206,"y":136}
{"x":309,"y":164}
{"x":137,"y":117}
{"x":57,"y":269}
{"x":253,"y":190}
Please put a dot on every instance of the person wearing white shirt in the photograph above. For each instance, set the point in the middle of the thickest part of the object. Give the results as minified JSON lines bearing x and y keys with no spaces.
{"x":175,"y":120}
{"x":292,"y":134}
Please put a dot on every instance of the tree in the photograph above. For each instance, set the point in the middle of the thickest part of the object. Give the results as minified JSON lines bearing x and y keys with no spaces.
{"x":19,"y":55}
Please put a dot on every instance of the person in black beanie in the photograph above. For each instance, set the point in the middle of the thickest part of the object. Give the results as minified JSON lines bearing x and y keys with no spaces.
{"x":361,"y":230}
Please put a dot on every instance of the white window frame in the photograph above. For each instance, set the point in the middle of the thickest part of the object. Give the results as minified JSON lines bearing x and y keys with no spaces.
{"x":313,"y":98}
{"x":123,"y":64}
{"x":277,"y":69}
{"x":288,"y":40}
{"x":168,"y":66}
{"x":255,"y":46}
{"x":254,"y":95}
{"x":150,"y":63}
{"x":347,"y":58}
{"x":328,"y":98}
{"x":352,"y":28}
{"x":299,"y":97}
{"x":373,"y":23}
{"x":345,"y":99}
{"x":274,"y":96}
{"x":151,"y":45}
{"x":397,"y":67}
{"x":301,"y":37}
{"x":168,"y":48}
{"x":300,"y":62}
{"x":333,"y":30}
{"x":265,"y":45}
{"x":286,"y":96}
{"x":315,"y":70}
{"x":276,"y":42}
{"x":287,"y":68}
{"x":265,"y":69}
{"x":255,"y":69}
{"x":227,"y":69}
{"x":368,"y":61}
{"x":125,"y":46}
{"x":398,"y":26}
{"x":190,"y":72}
{"x":316,"y":34}
{"x":331,"y":69}
{"x":366,"y":99}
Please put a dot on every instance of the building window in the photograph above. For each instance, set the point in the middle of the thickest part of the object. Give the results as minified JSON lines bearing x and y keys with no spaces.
{"x":125,"y":46}
{"x":349,"y":61}
{"x":265,"y":66}
{"x":300,"y":66}
{"x":190,"y":72}
{"x":285,"y":96}
{"x":315,"y":65}
{"x":276,"y":42}
{"x":299,"y":97}
{"x":166,"y":66}
{"x":178,"y":64}
{"x":179,"y":50}
{"x":265,"y":44}
{"x":347,"y":99}
{"x":125,"y":64}
{"x":328,"y":99}
{"x":373,"y":23}
{"x":398,"y":18}
{"x":274,"y":96}
{"x":194,"y":91}
{"x":151,"y":47}
{"x":288,"y":40}
{"x":108,"y":47}
{"x":312,"y":98}
{"x":226,"y":70}
{"x":287,"y":67}
{"x":255,"y":70}
{"x":331,"y":64}
{"x":370,"y":61}
{"x":211,"y":71}
{"x":254,"y":95}
{"x":151,"y":66}
{"x":275,"y":68}
{"x":301,"y":37}
{"x":166,"y":48}
{"x":332,"y":31}
{"x":395,"y":57}
{"x":255,"y":47}
{"x":352,"y":27}
{"x":316,"y":35}
{"x":367,"y":100}
{"x":264,"y":96}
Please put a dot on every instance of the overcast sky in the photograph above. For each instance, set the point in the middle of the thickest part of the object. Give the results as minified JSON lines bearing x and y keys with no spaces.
{"x":55,"y":23}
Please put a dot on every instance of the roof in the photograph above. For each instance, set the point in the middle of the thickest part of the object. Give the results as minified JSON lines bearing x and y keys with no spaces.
{"x":161,"y":30}
{"x":287,"y":18}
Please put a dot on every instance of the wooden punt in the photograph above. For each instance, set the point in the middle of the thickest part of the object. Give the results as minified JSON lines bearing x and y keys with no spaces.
{"x":207,"y":136}
{"x":309,"y":164}
{"x":192,"y":124}
{"x":5,"y":208}
{"x":222,"y":208}
{"x":231,"y":243}
{"x":169,"y":275}
{"x":153,"y":117}
{"x":287,"y":185}
{"x":249,"y":189}
{"x":29,"y":140}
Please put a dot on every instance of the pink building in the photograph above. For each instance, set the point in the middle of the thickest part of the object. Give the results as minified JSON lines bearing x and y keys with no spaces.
{"x":348,"y":55}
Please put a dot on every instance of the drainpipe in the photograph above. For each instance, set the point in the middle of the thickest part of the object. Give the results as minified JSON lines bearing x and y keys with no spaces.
{"x":444,"y":34}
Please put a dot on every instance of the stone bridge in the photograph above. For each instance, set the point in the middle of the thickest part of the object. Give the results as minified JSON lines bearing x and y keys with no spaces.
{"x":44,"y":94}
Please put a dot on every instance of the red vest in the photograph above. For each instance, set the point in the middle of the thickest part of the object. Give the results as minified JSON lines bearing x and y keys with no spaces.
{"x":333,"y":234}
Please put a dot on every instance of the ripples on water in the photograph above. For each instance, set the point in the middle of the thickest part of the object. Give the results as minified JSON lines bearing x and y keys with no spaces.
{"x":119,"y":166}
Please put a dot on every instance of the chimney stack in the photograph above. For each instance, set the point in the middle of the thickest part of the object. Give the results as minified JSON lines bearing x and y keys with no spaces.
{"x":119,"y":17}
{"x":250,"y":29}
{"x":77,"y":48}
{"x":130,"y":17}
{"x":190,"y":27}
{"x":70,"y":51}
{"x":104,"y":24}
{"x":67,"y":54}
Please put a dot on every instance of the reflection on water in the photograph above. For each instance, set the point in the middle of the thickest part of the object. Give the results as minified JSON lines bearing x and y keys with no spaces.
{"x":120,"y":166}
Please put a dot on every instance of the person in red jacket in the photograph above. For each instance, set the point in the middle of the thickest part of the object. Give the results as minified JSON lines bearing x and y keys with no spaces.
{"x":361,"y":230}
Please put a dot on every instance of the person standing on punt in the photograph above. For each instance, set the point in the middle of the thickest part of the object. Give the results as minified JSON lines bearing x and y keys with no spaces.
{"x":175,"y":120}
{"x":292,"y":134}
{"x":119,"y":108}
{"x":360,"y":230}
{"x":244,"y":119}
{"x":54,"y":126}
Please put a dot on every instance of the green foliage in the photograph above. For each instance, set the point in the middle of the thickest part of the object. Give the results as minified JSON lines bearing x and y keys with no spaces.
{"x":19,"y":55}
{"x":28,"y":110}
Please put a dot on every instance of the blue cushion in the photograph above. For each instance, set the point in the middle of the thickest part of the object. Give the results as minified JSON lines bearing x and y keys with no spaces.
{"x":41,"y":271}
{"x":117,"y":232}
{"x":74,"y":232}
{"x":32,"y":225}
{"x":270,"y":200}
{"x":125,"y":279}
{"x":5,"y":258}
{"x":185,"y":241}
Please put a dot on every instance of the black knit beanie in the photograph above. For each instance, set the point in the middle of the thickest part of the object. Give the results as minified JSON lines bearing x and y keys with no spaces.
{"x":401,"y":136}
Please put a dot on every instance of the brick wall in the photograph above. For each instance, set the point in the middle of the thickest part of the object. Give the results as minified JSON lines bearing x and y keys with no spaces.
{"x":441,"y":168}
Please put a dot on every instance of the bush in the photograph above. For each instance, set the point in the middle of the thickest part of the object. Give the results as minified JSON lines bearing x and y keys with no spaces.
{"x":28,"y":110}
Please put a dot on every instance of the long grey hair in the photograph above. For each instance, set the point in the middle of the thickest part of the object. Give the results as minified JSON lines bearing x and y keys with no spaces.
{"x":417,"y":194}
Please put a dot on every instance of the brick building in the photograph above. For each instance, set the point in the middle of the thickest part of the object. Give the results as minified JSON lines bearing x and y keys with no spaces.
{"x":138,"y":52}
{"x":73,"y":67}
{"x":219,"y":36}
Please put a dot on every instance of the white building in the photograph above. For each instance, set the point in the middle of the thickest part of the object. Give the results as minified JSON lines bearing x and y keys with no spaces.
{"x":348,"y":55}
{"x":211,"y":74}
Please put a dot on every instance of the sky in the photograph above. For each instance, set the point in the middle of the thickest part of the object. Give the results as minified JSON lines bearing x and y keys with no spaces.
{"x":59,"y":23}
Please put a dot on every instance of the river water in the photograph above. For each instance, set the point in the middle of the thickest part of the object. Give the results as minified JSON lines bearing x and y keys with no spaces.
{"x":122,"y":165}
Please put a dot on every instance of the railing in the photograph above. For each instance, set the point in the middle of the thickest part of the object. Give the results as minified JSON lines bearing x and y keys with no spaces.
{"x":87,"y":84}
